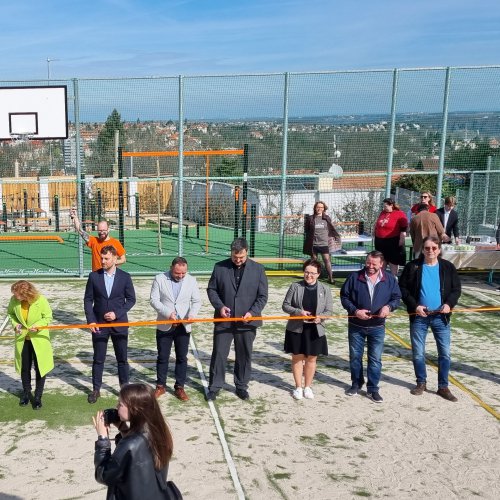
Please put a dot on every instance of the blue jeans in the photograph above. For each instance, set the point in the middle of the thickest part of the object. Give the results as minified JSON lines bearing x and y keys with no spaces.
{"x":418,"y":332}
{"x":374,"y":336}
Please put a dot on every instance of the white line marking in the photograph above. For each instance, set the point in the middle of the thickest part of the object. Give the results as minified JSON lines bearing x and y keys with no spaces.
{"x":220,"y":432}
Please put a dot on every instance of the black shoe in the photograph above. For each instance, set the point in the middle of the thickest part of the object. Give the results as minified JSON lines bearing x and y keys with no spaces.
{"x":375,"y":397}
{"x":211,"y":395}
{"x":92,"y":397}
{"x":242,"y":394}
{"x":25,"y":398}
{"x":352,"y":391}
{"x":37,"y":403}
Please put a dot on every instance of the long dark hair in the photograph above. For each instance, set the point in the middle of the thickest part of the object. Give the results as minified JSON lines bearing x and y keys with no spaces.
{"x":146,"y":418}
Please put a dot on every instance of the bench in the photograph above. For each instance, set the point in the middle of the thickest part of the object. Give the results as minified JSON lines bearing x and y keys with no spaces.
{"x":170,"y":221}
{"x":31,"y":238}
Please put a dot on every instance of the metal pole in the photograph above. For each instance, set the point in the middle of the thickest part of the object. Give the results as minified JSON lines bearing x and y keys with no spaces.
{"x":486,"y":189}
{"x":180,"y":189}
{"x":158,"y":205}
{"x":392,"y":131}
{"x":470,"y":202}
{"x":121,"y":204}
{"x":284,"y":155}
{"x":443,"y":136}
{"x":245,"y":192}
{"x":78,"y":170}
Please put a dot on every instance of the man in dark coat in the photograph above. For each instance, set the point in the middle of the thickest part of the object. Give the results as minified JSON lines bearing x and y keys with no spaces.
{"x":449,"y":218}
{"x":109,"y":295}
{"x":237,"y":289}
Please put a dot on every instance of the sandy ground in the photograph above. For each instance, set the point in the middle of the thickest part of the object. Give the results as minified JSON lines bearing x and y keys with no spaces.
{"x":330,"y":447}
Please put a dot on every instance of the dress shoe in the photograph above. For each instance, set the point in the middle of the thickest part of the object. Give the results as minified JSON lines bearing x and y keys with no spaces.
{"x":242,"y":394}
{"x":160,"y":391}
{"x":92,"y":397}
{"x":211,"y":395}
{"x":180,"y":393}
{"x":419,"y":389}
{"x":445,"y":393}
{"x":25,"y":398}
{"x":37,"y":403}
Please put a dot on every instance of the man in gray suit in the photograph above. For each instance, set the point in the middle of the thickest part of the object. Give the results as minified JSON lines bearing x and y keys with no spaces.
{"x":174,"y":295}
{"x":237,"y":289}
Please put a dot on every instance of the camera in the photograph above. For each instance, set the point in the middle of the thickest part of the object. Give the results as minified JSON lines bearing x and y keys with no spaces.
{"x":111,"y":416}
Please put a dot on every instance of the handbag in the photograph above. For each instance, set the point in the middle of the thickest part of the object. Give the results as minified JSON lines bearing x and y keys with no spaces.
{"x":172,"y":492}
{"x":334,"y":243}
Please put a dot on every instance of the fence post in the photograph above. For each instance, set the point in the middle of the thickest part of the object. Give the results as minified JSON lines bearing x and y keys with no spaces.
{"x":56,"y":213}
{"x":245,"y":192}
{"x":253,"y":218}
{"x":487,"y":189}
{"x":236,"y":211}
{"x":99,"y":204}
{"x":284,"y":156}
{"x":180,"y":189}
{"x":92,"y":214}
{"x":4,"y":216}
{"x":121,"y":204}
{"x":390,"y":155}
{"x":25,"y":206}
{"x":80,"y":198}
{"x":469,"y":204}
{"x":137,"y":211}
{"x":443,"y":136}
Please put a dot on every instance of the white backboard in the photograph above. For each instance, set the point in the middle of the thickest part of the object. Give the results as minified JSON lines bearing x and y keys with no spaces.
{"x":36,"y":112}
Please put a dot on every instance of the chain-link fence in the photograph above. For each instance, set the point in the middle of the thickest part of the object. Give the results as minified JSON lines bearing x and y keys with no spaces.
{"x":253,"y":154}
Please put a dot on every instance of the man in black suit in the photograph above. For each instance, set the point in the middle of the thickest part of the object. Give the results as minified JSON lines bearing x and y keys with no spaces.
{"x":449,"y":218}
{"x":109,"y":295}
{"x":237,"y":289}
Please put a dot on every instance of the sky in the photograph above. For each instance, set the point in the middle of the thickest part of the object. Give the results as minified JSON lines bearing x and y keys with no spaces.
{"x":138,"y":38}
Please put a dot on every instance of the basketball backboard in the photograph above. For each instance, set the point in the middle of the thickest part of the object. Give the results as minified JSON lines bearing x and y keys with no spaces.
{"x":35,"y":112}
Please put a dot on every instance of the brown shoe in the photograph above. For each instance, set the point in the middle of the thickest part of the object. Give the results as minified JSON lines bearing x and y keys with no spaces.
{"x":180,"y":393}
{"x":160,"y":391}
{"x":419,"y":389}
{"x":445,"y":393}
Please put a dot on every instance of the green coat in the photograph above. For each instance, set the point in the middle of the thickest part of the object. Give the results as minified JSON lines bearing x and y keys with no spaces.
{"x":39,"y":314}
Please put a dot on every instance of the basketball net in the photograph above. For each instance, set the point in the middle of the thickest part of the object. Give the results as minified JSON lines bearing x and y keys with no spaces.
{"x":20,"y":137}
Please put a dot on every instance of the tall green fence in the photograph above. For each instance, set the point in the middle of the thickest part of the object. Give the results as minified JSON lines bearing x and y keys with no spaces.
{"x":348,"y":138}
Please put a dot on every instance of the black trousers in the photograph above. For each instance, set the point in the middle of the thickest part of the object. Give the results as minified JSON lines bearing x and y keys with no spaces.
{"x":243,"y":345}
{"x":180,"y":338}
{"x":100,"y":345}
{"x":28,"y":357}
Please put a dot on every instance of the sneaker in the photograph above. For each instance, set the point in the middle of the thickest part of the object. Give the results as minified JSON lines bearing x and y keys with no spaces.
{"x":25,"y":398}
{"x":419,"y":389}
{"x":374,"y":396}
{"x":445,"y":393}
{"x":92,"y":397}
{"x":211,"y":395}
{"x":160,"y":391}
{"x":308,"y":393}
{"x":298,"y":393}
{"x":242,"y":394}
{"x":180,"y":393}
{"x":353,"y":390}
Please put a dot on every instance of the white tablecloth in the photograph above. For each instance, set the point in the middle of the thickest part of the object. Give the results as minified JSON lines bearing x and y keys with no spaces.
{"x":477,"y":260}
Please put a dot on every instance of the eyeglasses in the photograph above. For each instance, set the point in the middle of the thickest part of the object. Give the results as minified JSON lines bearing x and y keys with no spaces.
{"x":431,"y":249}
{"x":309,"y":273}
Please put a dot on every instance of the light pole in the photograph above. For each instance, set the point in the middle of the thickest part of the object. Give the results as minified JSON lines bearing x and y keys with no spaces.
{"x":49,"y":60}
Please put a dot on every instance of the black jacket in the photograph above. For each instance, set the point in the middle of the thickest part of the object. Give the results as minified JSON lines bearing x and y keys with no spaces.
{"x":129,"y":472}
{"x":309,"y":232}
{"x":411,"y":280}
{"x":452,"y":224}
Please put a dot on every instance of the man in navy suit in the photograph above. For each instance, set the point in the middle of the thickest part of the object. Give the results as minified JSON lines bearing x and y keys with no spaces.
{"x":109,"y":295}
{"x":237,"y":289}
{"x":449,"y":218}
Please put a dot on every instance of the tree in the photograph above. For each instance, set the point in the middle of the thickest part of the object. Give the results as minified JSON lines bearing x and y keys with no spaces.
{"x":103,"y":156}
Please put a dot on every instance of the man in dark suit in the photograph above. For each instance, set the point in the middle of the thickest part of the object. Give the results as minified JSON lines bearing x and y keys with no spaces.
{"x":237,"y":289}
{"x":449,"y":218}
{"x":109,"y":295}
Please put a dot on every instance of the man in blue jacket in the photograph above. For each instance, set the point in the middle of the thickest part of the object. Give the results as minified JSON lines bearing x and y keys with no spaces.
{"x":369,"y":296}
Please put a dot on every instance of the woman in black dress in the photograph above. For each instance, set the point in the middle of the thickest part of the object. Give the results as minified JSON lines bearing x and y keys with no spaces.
{"x":305,"y":339}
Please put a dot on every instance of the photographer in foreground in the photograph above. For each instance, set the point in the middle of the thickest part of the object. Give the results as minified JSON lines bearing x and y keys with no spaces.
{"x":138,"y":467}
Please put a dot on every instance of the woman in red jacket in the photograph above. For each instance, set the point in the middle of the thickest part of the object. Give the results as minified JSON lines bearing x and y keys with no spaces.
{"x":426,"y":198}
{"x":390,"y":234}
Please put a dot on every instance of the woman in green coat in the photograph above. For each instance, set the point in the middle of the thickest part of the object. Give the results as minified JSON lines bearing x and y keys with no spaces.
{"x":28,"y":311}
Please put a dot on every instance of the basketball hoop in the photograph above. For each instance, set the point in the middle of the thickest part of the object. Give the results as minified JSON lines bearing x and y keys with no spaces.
{"x":20,"y":137}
